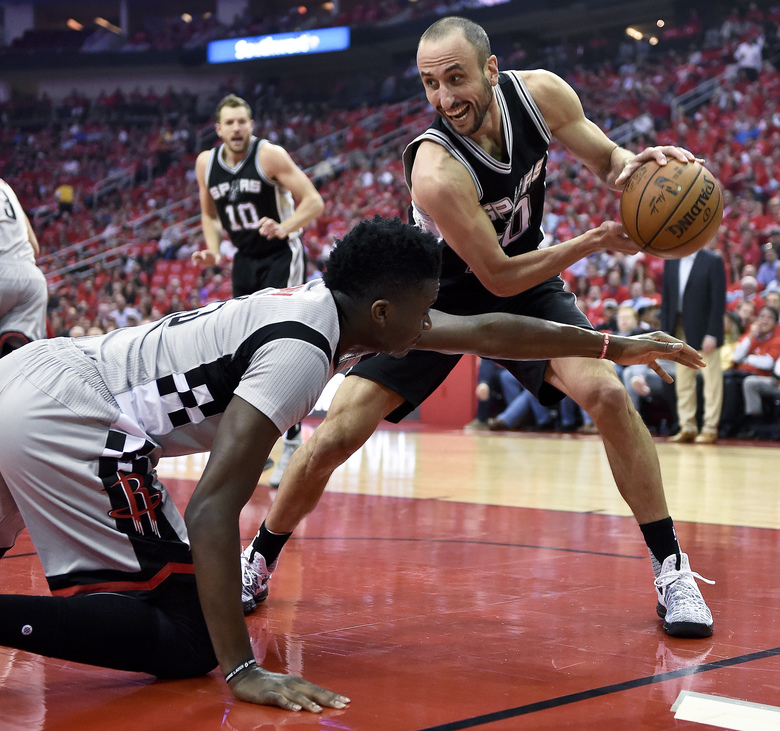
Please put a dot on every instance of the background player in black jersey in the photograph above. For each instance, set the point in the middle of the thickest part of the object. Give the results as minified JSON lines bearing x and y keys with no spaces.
{"x":84,"y":426}
{"x":253,"y":190}
{"x":477,"y":180}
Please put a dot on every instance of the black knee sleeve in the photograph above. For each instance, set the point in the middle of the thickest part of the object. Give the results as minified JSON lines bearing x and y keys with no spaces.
{"x":108,"y":630}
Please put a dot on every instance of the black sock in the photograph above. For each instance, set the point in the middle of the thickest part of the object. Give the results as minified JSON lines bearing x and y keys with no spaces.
{"x":268,"y":544}
{"x":661,"y":540}
{"x":293,"y":431}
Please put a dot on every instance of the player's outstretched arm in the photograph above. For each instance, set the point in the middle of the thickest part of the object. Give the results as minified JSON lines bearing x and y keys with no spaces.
{"x":517,"y":337}
{"x":243,"y":441}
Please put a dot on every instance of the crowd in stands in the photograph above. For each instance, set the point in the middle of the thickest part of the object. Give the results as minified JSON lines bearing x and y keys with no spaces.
{"x":119,"y":254}
{"x":164,"y":33}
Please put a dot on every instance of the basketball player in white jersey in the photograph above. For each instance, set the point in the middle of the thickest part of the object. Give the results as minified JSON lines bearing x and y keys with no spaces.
{"x":86,"y":420}
{"x":23,"y":293}
{"x":477,"y":180}
{"x":249,"y":187}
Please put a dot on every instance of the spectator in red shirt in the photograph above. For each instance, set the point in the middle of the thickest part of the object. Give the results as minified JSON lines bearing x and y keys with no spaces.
{"x":614,"y":288}
{"x":755,"y":354}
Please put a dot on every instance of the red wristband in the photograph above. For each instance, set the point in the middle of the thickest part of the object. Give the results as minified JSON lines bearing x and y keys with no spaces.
{"x":604,"y":347}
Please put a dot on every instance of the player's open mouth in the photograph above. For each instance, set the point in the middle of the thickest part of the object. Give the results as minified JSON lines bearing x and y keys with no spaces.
{"x":460,"y":114}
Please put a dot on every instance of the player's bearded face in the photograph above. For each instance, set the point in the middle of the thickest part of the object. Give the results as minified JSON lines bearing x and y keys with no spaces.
{"x":480,"y":106}
{"x":235,"y":129}
{"x":470,"y":113}
{"x":457,"y":86}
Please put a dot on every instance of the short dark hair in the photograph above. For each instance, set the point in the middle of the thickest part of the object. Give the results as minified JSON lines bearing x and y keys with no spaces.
{"x":773,"y":310}
{"x":380,"y":256}
{"x":233,"y":101}
{"x":475,"y":34}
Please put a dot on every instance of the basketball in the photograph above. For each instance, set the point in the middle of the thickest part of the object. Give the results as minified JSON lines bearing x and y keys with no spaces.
{"x":671,"y":210}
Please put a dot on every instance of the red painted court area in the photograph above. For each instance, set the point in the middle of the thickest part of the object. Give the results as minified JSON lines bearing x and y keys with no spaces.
{"x":433,"y":614}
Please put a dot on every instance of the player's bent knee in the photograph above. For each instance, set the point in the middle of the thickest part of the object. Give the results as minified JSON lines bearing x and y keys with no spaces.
{"x":334,"y":443}
{"x":608,"y":399}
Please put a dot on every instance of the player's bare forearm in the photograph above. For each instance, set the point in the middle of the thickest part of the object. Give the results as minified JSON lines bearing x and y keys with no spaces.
{"x":242,"y":443}
{"x":513,"y":337}
{"x":517,"y":337}
{"x":305,"y":212}
{"x":308,"y":209}
{"x":507,"y":276}
{"x":215,"y":542}
{"x":244,"y":439}
{"x":212,"y":233}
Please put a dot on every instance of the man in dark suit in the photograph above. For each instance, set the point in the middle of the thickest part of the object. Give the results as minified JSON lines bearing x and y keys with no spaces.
{"x":694,"y":300}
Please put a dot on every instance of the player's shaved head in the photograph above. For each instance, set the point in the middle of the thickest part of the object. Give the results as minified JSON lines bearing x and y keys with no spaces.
{"x":473,"y":33}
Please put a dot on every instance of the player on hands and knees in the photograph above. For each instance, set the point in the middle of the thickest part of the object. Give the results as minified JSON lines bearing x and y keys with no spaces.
{"x":86,"y":420}
{"x":477,"y":180}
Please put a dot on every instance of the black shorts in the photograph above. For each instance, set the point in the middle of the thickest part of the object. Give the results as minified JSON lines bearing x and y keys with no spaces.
{"x":419,"y":374}
{"x":284,"y":268}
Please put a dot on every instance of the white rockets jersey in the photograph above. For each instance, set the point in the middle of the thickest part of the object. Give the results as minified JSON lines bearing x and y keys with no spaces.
{"x":87,"y":419}
{"x":14,"y":242}
{"x":174,"y":377}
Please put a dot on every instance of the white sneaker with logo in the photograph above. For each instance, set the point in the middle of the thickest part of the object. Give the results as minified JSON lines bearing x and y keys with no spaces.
{"x":680,"y":603}
{"x":254,"y":578}
{"x":290,"y":445}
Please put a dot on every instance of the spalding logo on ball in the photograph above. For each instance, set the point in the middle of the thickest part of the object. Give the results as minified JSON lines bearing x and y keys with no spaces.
{"x":671,"y":210}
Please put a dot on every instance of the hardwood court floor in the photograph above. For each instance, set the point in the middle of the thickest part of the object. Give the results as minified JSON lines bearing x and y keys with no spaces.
{"x":470,"y":581}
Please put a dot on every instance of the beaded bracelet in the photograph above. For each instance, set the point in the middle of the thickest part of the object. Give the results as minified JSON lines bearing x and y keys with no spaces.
{"x":240,"y":669}
{"x":605,"y":346}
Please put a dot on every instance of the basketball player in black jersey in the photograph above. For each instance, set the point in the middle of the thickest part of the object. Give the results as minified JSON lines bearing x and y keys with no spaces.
{"x":249,"y":187}
{"x":477,"y":179}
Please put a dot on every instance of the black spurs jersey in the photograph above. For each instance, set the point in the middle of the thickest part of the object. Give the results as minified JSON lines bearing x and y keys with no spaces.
{"x":245,"y":194}
{"x":511,"y":193}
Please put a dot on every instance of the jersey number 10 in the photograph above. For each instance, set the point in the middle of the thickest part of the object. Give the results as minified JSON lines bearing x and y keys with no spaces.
{"x":243,"y":217}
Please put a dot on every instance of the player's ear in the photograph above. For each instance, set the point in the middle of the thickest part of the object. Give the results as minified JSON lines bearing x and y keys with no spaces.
{"x":491,"y":67}
{"x":380,"y":311}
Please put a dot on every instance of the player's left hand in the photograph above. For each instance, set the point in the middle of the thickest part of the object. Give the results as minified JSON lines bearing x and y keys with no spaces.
{"x":271,"y":229}
{"x":286,"y":691}
{"x":646,"y":348}
{"x":660,"y":154}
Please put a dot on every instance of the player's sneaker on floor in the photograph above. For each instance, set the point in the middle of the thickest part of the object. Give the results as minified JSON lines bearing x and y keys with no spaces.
{"x":680,"y":603}
{"x":254,"y":578}
{"x":290,"y":445}
{"x":268,"y":464}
